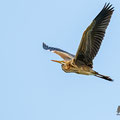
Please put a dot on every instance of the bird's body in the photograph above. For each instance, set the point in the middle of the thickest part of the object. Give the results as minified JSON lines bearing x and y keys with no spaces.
{"x":82,"y":62}
{"x":70,"y":66}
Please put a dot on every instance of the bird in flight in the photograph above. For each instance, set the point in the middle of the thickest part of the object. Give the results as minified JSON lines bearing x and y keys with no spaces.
{"x":82,"y":62}
{"x":118,"y":110}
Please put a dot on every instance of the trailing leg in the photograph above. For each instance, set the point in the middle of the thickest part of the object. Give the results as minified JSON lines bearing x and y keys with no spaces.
{"x":103,"y":76}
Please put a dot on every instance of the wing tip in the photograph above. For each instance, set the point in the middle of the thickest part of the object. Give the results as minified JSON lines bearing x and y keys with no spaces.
{"x":106,"y":12}
{"x":45,"y":46}
{"x":108,"y":6}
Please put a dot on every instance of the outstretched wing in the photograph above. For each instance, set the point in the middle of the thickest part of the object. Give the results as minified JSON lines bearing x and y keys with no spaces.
{"x":63,"y":54}
{"x":93,"y":36}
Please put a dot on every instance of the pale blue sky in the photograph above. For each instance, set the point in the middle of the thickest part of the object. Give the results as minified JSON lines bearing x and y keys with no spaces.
{"x":34,"y":88}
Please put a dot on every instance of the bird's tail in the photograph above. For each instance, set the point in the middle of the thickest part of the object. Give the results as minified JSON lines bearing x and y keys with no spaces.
{"x":103,"y":76}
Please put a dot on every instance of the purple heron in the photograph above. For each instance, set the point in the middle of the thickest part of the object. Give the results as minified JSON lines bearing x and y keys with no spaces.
{"x":118,"y":110}
{"x":81,"y":63}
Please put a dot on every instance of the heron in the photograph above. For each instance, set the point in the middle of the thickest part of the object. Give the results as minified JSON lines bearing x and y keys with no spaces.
{"x":82,"y":62}
{"x":118,"y":110}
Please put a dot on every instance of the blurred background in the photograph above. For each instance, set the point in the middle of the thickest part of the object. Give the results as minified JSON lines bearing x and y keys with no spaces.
{"x":34,"y":88}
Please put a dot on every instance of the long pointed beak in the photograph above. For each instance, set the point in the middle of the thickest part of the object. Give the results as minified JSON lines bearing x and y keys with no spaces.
{"x":61,"y":62}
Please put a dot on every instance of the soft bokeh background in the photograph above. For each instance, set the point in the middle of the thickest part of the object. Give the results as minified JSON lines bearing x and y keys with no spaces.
{"x":34,"y":88}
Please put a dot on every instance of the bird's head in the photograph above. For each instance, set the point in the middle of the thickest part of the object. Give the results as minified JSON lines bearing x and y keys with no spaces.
{"x":64,"y":65}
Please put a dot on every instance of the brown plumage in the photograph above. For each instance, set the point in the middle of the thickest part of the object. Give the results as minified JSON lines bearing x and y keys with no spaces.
{"x":81,"y":63}
{"x":118,"y":110}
